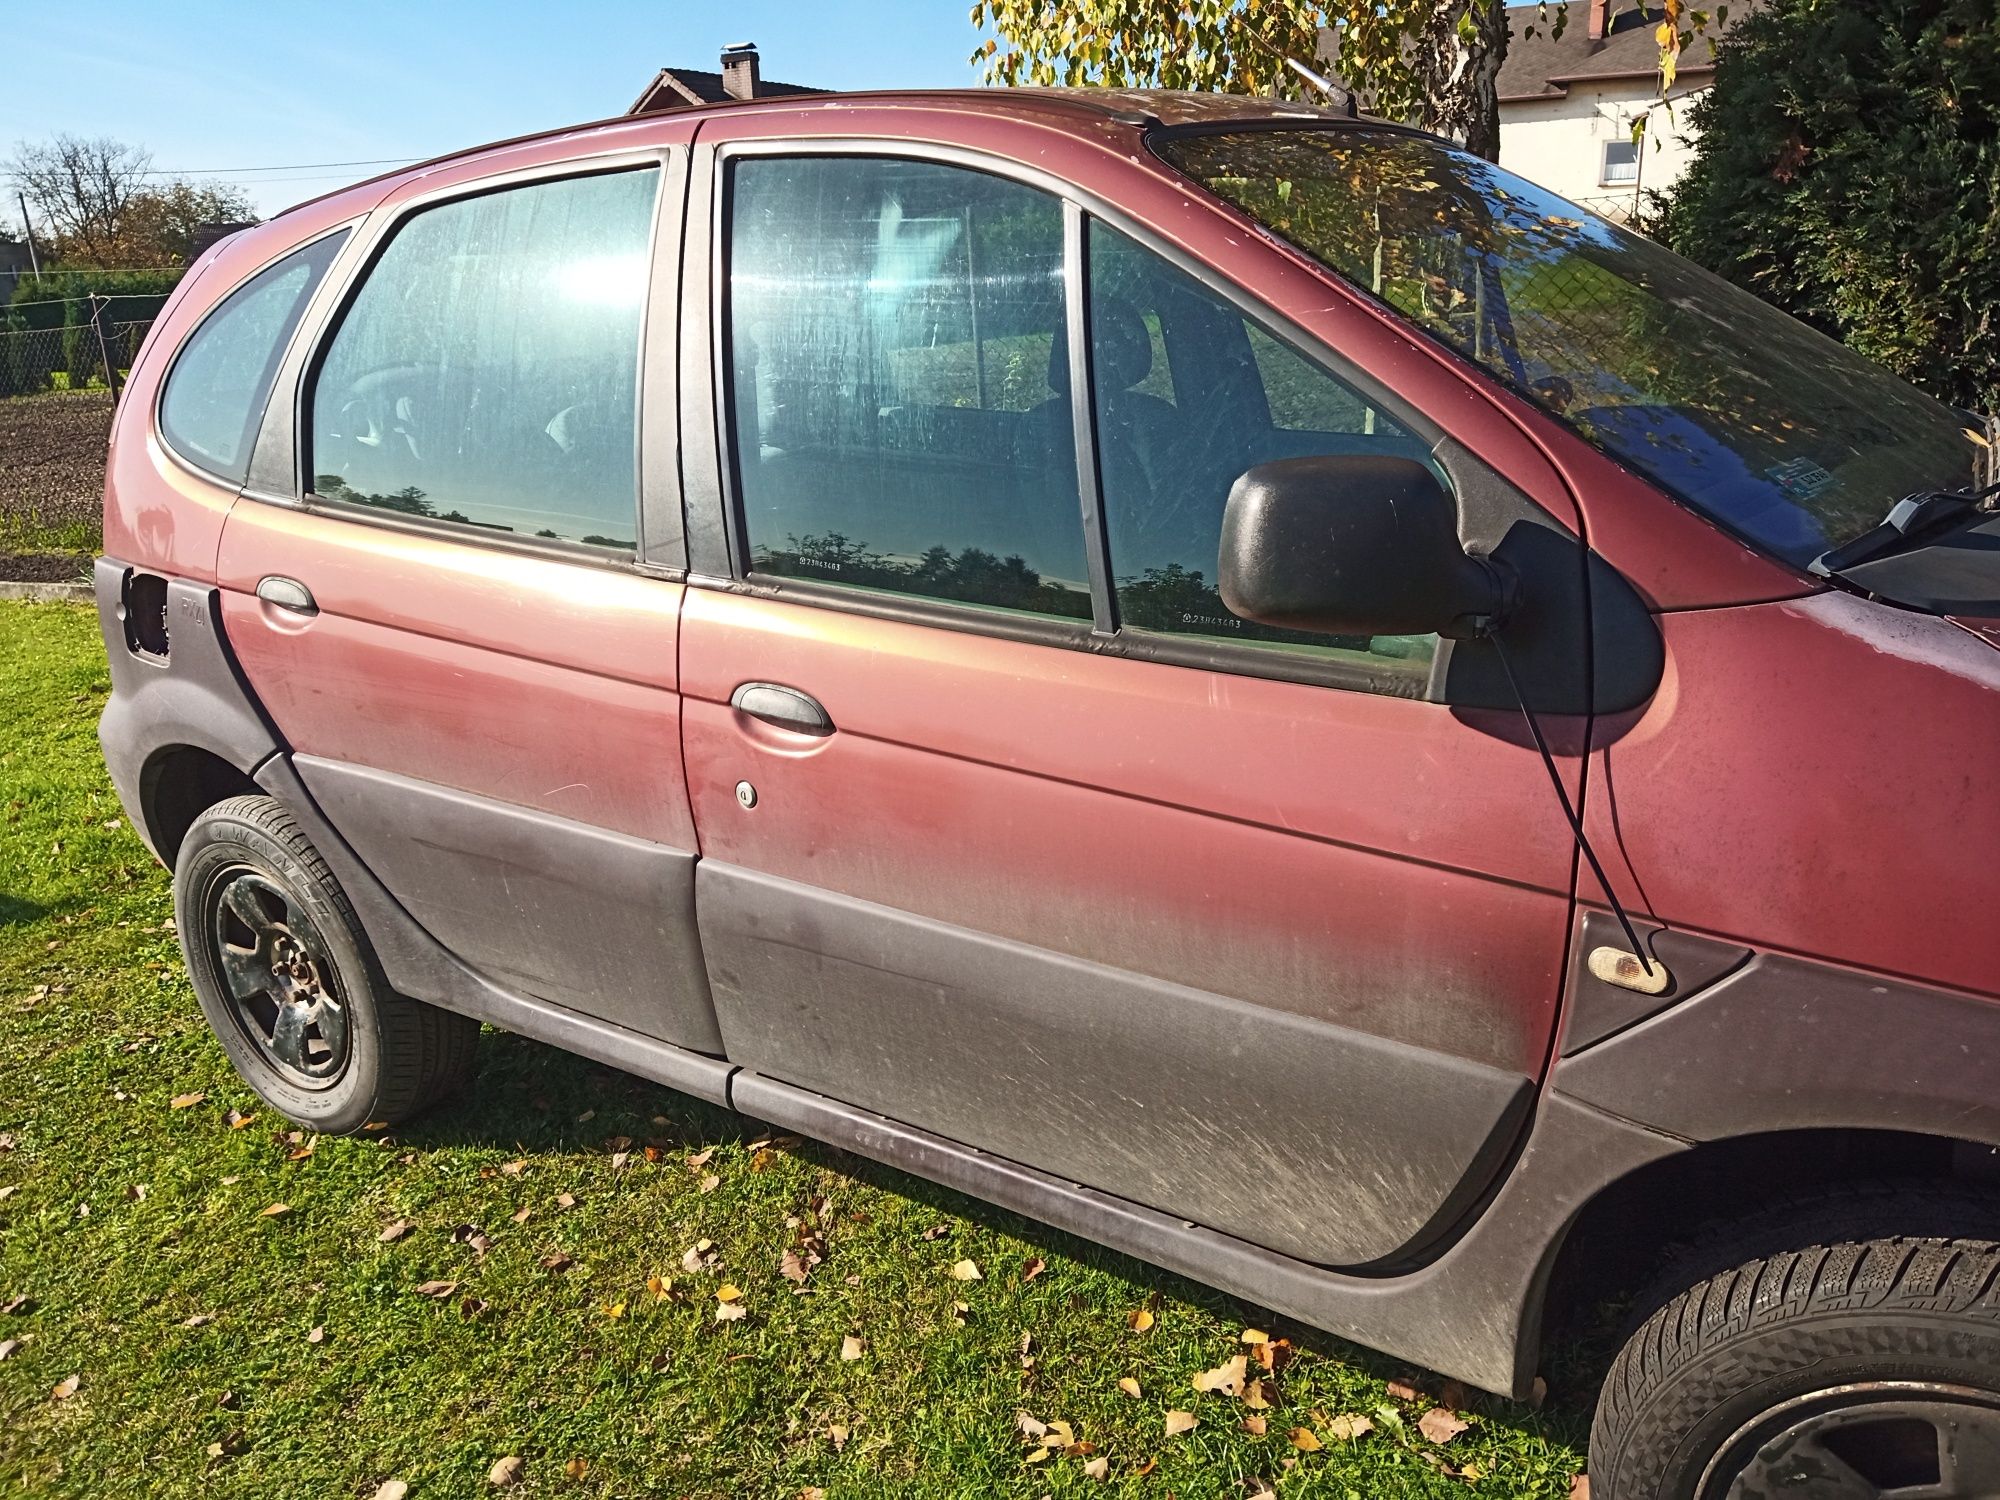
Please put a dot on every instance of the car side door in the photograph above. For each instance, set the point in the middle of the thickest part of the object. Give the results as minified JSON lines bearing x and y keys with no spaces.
{"x":1011,"y":831}
{"x":454,"y":581}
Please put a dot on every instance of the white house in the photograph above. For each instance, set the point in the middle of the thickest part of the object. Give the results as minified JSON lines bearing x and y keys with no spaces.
{"x":1568,"y":104}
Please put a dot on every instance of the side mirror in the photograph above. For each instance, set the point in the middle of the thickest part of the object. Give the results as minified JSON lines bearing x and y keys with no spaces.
{"x":1353,"y":544}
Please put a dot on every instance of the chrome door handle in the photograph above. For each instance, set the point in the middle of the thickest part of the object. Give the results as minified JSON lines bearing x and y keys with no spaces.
{"x":287,"y":593}
{"x":785,"y":707}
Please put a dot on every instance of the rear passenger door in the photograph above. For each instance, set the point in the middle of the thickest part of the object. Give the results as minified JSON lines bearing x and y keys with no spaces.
{"x":1011,"y":831}
{"x":454,"y":584}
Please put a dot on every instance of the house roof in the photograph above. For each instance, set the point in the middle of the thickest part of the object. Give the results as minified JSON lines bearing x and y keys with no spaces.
{"x":678,"y":88}
{"x":1544,"y":66}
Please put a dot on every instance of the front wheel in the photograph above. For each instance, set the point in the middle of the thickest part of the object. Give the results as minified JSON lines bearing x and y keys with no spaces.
{"x":1856,"y":1366}
{"x":290,"y":984}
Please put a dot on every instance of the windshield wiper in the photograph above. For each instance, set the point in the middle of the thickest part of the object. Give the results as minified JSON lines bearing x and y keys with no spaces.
{"x":1911,"y":522}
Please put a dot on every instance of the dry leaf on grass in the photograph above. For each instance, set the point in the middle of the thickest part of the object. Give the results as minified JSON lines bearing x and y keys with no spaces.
{"x":1254,"y":1336}
{"x":557,"y":1263}
{"x":792,"y":1268}
{"x":1139,"y":1320}
{"x":1257,"y":1424}
{"x":520,"y":1215}
{"x":730,"y":1312}
{"x":1097,"y":1468}
{"x":513,"y":1168}
{"x":186,"y":1101}
{"x":565,"y":1200}
{"x":852,"y":1348}
{"x":1306,"y":1440}
{"x":1130,"y":1387}
{"x":1253,"y":1396}
{"x":613,"y":1311}
{"x":7,"y":1348}
{"x":1225,"y":1379}
{"x":197,"y":1320}
{"x":966,"y":1270}
{"x":65,"y":1388}
{"x":728,"y":1292}
{"x":437,"y":1289}
{"x":1347,"y":1428}
{"x":276,"y":1211}
{"x":1035,"y":1266}
{"x":576,"y":1468}
{"x":316,"y":1336}
{"x":237,"y":1119}
{"x":699,"y":1257}
{"x":16,"y":1305}
{"x":391,"y":1489}
{"x":1440,"y":1426}
{"x":1402,"y":1390}
{"x":394,"y":1230}
{"x":1179,"y":1422}
{"x":504,"y":1472}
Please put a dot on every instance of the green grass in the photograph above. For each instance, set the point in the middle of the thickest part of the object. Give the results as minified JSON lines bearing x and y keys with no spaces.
{"x":99,"y":1033}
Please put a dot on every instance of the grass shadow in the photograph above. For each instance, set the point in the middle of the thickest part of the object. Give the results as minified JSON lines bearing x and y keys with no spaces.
{"x":17,"y":912}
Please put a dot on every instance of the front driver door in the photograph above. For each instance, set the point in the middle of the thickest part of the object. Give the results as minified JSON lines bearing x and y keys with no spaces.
{"x":1078,"y":868}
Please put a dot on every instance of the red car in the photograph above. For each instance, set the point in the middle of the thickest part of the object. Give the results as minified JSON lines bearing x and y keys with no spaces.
{"x":1227,"y":676}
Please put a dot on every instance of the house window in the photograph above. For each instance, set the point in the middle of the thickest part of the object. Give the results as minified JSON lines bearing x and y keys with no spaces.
{"x":1621,"y":163}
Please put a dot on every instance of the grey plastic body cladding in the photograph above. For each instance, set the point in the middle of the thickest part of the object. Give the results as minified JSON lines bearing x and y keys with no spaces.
{"x":592,"y":920}
{"x":1341,"y":1148}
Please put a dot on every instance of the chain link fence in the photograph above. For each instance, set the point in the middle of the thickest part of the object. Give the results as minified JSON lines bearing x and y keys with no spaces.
{"x":91,"y":355}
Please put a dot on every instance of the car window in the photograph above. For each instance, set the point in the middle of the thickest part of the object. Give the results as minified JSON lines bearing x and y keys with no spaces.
{"x":1171,"y":443}
{"x":899,"y":385}
{"x":215,"y":392}
{"x":487,"y":371}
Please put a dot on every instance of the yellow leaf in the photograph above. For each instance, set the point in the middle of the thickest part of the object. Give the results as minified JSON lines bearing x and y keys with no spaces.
{"x":1139,"y":1320}
{"x":66,"y":1388}
{"x":728,"y":1292}
{"x":576,"y":1468}
{"x":1254,"y":1336}
{"x":614,"y":1310}
{"x":658,"y":1286}
{"x":966,"y":1270}
{"x":1256,"y":1424}
{"x":1130,"y":1387}
{"x":276,"y":1210}
{"x":1179,"y":1422}
{"x":1253,"y":1396}
{"x":851,"y":1348}
{"x":186,"y":1101}
{"x":1226,"y":1378}
{"x":1347,"y":1428}
{"x":1304,"y":1441}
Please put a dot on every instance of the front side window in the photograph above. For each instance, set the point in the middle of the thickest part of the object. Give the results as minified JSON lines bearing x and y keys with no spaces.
{"x":1189,"y":395}
{"x":487,"y":371}
{"x":1788,"y":438}
{"x":899,"y":382}
{"x":215,"y":393}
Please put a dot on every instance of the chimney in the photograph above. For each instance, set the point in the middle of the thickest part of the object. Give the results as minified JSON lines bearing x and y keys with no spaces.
{"x":741,"y":80}
{"x":1600,"y":22}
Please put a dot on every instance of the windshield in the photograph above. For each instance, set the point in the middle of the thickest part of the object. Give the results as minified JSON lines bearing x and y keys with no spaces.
{"x":1783,"y":435}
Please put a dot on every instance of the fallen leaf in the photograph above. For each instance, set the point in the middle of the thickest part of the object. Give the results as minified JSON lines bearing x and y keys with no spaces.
{"x":660,"y":1287}
{"x":317,"y":1335}
{"x":276,"y":1211}
{"x":966,"y":1270}
{"x":618,"y":1159}
{"x":237,"y":1120}
{"x":792,"y":1268}
{"x":438,"y":1289}
{"x":1257,"y":1424}
{"x":576,"y":1468}
{"x":1440,"y":1426}
{"x":730,"y":1312}
{"x":65,"y":1388}
{"x":728,"y":1292}
{"x":1402,"y":1390}
{"x":391,"y":1489}
{"x":1226,"y":1378}
{"x":1139,"y":1320}
{"x":1145,"y":1468}
{"x":473,"y":1307}
{"x":7,"y":1347}
{"x":1030,"y":1426}
{"x":1348,"y":1428}
{"x":1254,"y":1336}
{"x":937,"y":1232}
{"x":557,"y":1262}
{"x":1253,"y":1396}
{"x":1179,"y":1422}
{"x":700,"y":1255}
{"x":1037,"y":1455}
{"x":1130,"y":1387}
{"x":586,"y":1117}
{"x":136,"y":1192}
{"x":186,"y":1101}
{"x":16,"y":1305}
{"x":520,"y":1215}
{"x":1451,"y":1395}
{"x":1273,"y":1354}
{"x":836,"y":1433}
{"x":1097,"y":1468}
{"x":959,"y":1310}
{"x":613,"y":1311}
{"x":394,"y":1230}
{"x":710,"y":1183}
{"x":852,"y":1348}
{"x":1035,"y":1266}
{"x":812,"y":1492}
{"x":565,"y":1200}
{"x":505,"y":1472}
{"x":513,"y":1168}
{"x":762,"y":1158}
{"x":8,"y":1192}
{"x":1305,"y":1440}
{"x":198,"y":1320}
{"x":700,"y":1159}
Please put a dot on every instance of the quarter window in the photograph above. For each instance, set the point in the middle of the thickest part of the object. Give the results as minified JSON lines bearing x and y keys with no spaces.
{"x":1171,"y":442}
{"x":216,"y":391}
{"x":487,"y":371}
{"x":899,"y":382}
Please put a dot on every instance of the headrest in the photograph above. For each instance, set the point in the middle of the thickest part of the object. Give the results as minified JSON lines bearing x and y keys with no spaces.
{"x":1120,"y":345}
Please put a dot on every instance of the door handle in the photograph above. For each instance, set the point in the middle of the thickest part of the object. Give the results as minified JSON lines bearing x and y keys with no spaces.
{"x":787,"y":708}
{"x":287,"y":593}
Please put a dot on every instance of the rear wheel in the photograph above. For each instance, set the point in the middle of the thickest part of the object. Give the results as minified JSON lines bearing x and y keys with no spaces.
{"x":1831,"y":1361}
{"x":292,"y":988}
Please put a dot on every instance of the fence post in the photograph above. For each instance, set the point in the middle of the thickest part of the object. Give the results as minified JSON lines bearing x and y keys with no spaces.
{"x":100,"y":317}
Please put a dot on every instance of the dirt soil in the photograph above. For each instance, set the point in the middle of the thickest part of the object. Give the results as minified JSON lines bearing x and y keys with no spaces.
{"x":44,"y":567}
{"x":51,"y":477}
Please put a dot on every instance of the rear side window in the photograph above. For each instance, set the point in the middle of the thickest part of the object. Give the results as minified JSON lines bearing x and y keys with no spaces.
{"x":900,"y":382}
{"x":215,"y":392}
{"x":487,"y":371}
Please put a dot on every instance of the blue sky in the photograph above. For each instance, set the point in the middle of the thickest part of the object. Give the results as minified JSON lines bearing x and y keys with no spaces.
{"x":210,"y":84}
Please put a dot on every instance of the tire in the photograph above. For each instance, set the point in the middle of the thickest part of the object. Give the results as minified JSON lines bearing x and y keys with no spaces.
{"x":1845,"y":1348}
{"x":290,"y":983}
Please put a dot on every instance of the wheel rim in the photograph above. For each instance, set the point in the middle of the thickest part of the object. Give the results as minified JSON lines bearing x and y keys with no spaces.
{"x":1883,"y":1440}
{"x":278,"y":978}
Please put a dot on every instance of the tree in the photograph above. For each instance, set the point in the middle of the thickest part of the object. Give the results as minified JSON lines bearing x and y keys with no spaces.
{"x":1848,"y":170}
{"x":96,"y":206}
{"x":1433,"y":63}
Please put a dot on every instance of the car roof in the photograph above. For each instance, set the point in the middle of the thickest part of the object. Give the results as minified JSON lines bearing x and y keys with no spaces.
{"x":1142,"y":109}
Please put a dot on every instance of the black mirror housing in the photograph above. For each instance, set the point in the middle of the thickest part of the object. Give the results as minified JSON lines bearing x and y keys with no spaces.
{"x":1353,"y":544}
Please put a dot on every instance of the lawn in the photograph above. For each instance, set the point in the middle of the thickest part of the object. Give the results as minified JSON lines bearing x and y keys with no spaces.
{"x":522,"y":1274}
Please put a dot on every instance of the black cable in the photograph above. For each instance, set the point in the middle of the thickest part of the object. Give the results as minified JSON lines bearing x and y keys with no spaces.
{"x":1569,"y":812}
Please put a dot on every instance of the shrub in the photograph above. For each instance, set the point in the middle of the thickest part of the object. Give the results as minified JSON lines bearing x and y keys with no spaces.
{"x":1848,"y":170}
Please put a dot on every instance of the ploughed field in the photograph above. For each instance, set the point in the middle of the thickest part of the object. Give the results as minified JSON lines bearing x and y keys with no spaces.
{"x":52,"y":483}
{"x":624,"y":1291}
